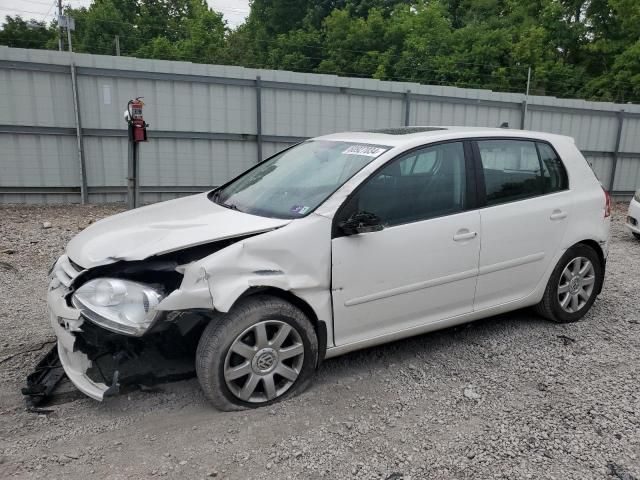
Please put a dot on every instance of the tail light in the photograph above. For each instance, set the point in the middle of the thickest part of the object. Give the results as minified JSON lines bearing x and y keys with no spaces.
{"x":607,"y":203}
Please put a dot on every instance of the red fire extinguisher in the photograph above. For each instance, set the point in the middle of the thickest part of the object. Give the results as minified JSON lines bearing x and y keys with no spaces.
{"x":137,"y":125}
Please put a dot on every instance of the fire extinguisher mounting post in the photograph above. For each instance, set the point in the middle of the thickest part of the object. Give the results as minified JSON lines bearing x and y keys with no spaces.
{"x":132,"y":176}
{"x":137,"y":132}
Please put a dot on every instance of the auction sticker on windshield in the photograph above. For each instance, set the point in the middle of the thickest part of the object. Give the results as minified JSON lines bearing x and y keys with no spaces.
{"x":364,"y":150}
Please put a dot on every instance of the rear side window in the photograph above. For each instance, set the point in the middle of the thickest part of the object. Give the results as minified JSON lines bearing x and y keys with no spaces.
{"x":554,"y":175}
{"x":519,"y":169}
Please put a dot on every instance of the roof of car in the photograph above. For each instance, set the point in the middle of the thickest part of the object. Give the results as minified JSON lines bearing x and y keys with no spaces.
{"x":404,"y":136}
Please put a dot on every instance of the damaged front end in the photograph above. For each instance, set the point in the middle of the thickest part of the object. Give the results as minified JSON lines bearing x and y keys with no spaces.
{"x":114,"y":328}
{"x":128,"y":305}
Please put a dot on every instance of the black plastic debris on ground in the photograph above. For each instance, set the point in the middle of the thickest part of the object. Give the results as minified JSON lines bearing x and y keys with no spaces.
{"x":142,"y":372}
{"x":43,"y":380}
{"x":619,"y":472}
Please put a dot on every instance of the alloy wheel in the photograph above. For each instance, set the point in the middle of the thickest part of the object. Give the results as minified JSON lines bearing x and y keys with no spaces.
{"x":264,"y":361}
{"x":576,"y":284}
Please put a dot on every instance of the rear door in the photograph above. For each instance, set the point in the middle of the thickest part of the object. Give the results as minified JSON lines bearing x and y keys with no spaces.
{"x":526,"y":214}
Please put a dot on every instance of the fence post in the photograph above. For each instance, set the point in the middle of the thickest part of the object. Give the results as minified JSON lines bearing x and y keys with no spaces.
{"x":259,"y":116}
{"x":84,"y":197}
{"x":407,"y":106}
{"x":616,"y":150}
{"x":526,"y":100}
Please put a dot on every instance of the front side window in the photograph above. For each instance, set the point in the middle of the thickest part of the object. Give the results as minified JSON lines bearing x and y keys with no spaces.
{"x":424,"y":184}
{"x":296,"y":181}
{"x":519,"y":169}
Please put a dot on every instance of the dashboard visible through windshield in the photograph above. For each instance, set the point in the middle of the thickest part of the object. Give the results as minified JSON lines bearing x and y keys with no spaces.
{"x":295,"y":182}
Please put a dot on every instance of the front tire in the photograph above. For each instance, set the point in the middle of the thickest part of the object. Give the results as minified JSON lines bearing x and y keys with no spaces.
{"x":573,"y":285}
{"x":263,"y":351}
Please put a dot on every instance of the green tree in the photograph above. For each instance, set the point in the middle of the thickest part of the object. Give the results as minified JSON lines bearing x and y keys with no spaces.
{"x":204,"y":36}
{"x":585,"y":48}
{"x":19,"y":33}
{"x":98,"y":26}
{"x":353,"y":46}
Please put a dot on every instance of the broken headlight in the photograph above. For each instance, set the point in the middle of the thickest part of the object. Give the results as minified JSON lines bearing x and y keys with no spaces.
{"x":118,"y":305}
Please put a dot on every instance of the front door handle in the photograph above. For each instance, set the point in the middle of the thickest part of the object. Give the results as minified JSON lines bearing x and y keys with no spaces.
{"x":558,"y":215}
{"x":464,"y":234}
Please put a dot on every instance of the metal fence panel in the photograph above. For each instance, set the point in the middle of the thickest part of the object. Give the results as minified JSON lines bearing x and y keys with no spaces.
{"x":591,"y":132}
{"x":601,"y":166}
{"x":106,"y":161}
{"x":163,"y":162}
{"x":38,"y":161}
{"x":309,"y":114}
{"x":630,"y":141}
{"x":35,"y":98}
{"x":170,"y":105}
{"x":627,"y":174}
{"x":32,"y":198}
{"x":442,"y":113}
{"x":207,"y":125}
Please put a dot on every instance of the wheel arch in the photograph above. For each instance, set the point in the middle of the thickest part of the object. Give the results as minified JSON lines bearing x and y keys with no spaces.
{"x":319,"y":326}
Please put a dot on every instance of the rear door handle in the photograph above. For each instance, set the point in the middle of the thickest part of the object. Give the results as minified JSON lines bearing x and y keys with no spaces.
{"x":464,"y":234}
{"x":558,"y":215}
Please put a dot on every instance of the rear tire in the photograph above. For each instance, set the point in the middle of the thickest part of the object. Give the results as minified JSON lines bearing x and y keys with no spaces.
{"x":573,"y":285}
{"x":263,"y":351}
{"x":637,"y":235}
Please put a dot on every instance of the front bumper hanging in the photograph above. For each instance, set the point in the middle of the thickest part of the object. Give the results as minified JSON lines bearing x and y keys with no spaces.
{"x":100,"y":363}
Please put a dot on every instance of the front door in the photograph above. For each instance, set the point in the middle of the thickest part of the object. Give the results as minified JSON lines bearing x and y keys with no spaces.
{"x":422,"y":267}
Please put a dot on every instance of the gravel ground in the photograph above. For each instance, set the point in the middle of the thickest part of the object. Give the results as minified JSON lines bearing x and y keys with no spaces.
{"x":512,"y":396}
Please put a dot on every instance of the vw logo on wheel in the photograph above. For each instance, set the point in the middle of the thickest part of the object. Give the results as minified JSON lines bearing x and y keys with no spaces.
{"x":265,"y":361}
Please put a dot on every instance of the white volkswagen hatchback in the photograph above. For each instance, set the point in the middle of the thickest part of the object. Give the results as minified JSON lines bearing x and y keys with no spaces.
{"x":341,"y":242}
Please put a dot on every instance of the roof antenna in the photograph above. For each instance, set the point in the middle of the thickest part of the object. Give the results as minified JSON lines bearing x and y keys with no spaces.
{"x":504,"y":125}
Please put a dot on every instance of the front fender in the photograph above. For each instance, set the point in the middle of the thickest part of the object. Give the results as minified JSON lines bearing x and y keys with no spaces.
{"x":295,"y":258}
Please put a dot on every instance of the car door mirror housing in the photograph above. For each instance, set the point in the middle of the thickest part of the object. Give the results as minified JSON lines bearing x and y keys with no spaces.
{"x":361,"y":222}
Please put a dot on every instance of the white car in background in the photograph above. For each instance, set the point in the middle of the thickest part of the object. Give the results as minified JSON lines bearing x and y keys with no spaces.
{"x":338,"y":243}
{"x":633,"y":215}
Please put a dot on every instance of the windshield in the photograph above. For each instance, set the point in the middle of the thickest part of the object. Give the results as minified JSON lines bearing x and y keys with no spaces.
{"x":293,"y":183}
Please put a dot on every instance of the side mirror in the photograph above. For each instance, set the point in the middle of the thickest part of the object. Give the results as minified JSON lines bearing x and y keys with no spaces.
{"x":361,"y":222}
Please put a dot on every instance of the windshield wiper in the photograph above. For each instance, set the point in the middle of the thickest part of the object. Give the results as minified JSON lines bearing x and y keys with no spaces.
{"x":230,"y":206}
{"x":215,"y":197}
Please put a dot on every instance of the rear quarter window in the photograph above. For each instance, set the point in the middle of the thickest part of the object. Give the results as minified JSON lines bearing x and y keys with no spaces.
{"x":554,"y":173}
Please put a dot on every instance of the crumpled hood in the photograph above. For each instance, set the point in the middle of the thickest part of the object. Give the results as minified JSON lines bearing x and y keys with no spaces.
{"x":161,"y":228}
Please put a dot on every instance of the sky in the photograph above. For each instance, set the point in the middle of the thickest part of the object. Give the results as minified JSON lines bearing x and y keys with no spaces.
{"x":234,"y":11}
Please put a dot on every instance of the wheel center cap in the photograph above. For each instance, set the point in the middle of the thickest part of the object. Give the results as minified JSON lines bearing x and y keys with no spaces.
{"x":264,"y":361}
{"x":574,"y":285}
